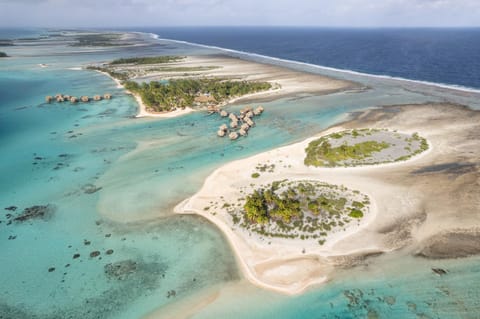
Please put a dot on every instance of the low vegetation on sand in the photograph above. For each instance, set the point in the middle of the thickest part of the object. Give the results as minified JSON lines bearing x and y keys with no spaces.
{"x":3,"y":55}
{"x":181,"y":93}
{"x":97,"y":40}
{"x":148,"y":60}
{"x":363,"y":147}
{"x":298,"y":209}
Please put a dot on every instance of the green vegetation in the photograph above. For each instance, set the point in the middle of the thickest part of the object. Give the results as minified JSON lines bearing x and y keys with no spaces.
{"x":122,"y":76}
{"x":265,"y":168}
{"x":148,"y":60}
{"x":183,"y":69}
{"x":3,"y":55}
{"x":363,"y":147}
{"x":182,"y":92}
{"x":97,"y":40}
{"x":298,"y":209}
{"x":321,"y":153}
{"x":255,"y":175}
{"x":356,"y":213}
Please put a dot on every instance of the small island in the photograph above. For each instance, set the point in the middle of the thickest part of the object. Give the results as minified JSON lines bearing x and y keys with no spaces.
{"x":98,"y":40}
{"x":169,"y":85}
{"x":182,"y":93}
{"x":363,"y":147}
{"x":3,"y":55}
{"x":303,"y":209}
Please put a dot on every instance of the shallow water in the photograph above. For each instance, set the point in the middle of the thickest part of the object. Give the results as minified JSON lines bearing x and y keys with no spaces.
{"x":54,"y":154}
{"x":394,"y":286}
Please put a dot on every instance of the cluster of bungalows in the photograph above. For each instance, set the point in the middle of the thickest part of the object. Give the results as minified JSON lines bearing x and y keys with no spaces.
{"x":73,"y":99}
{"x":239,"y":124}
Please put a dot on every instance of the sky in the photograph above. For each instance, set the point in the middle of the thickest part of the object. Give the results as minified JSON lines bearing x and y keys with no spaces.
{"x":327,"y":13}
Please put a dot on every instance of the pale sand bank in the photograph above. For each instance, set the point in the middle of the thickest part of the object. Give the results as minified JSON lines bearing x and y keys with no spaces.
{"x":397,"y":217}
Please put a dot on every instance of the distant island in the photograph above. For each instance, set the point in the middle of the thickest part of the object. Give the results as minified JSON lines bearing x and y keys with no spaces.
{"x":98,"y":40}
{"x":6,"y":43}
{"x":3,"y":55}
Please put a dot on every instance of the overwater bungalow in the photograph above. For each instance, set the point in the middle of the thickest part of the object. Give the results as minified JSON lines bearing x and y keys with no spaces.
{"x":84,"y":98}
{"x":259,"y":110}
{"x":233,"y":117}
{"x":246,"y":110}
{"x":48,"y":98}
{"x":249,"y":121}
{"x":233,"y":135}
{"x":97,"y":97}
{"x":107,"y":96}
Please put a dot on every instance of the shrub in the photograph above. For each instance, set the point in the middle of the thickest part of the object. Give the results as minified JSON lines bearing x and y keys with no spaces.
{"x":355,"y":213}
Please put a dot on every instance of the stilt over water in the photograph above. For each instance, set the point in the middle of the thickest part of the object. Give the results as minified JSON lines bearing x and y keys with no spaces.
{"x":239,"y":124}
{"x":73,"y":99}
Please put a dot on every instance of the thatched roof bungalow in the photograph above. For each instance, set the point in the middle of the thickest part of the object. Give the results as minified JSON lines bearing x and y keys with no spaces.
{"x":221,"y":133}
{"x":97,"y":97}
{"x":73,"y":99}
{"x":223,"y":113}
{"x":259,"y":110}
{"x":223,"y":127}
{"x":246,"y":110}
{"x":107,"y":96}
{"x":48,"y":99}
{"x":233,"y":135}
{"x":84,"y":98}
{"x":205,"y":98}
{"x":233,"y":117}
{"x":249,"y":122}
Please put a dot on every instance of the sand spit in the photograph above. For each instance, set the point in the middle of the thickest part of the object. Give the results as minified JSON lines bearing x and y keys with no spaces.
{"x":416,"y":205}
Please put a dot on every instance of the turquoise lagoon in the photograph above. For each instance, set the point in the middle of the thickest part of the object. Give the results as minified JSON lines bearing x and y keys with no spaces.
{"x":53,"y":154}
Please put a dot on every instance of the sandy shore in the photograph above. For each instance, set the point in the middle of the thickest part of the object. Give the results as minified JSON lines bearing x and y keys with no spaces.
{"x":142,"y":108}
{"x":397,"y":217}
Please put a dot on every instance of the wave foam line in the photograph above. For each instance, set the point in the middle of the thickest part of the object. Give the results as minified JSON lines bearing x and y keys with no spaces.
{"x":320,"y":67}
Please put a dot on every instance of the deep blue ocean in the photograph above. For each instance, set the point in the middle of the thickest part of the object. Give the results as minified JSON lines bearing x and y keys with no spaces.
{"x":448,"y":56}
